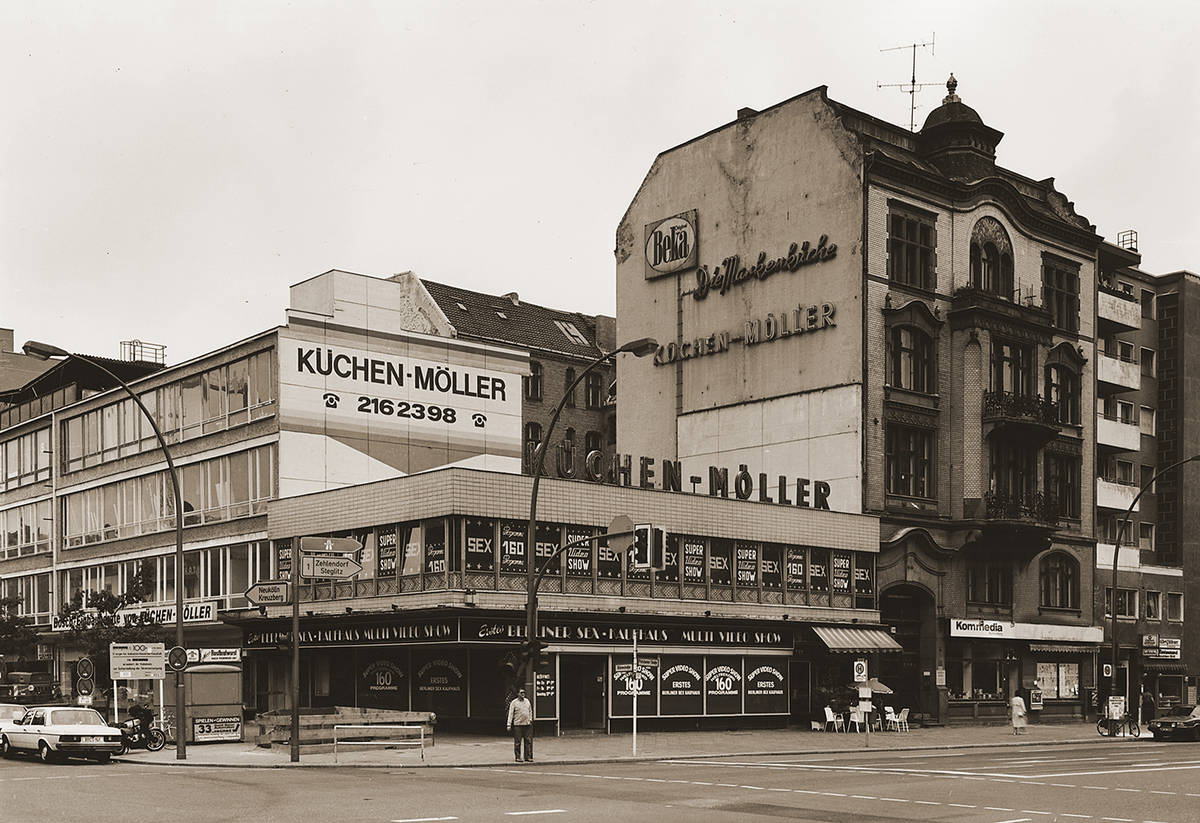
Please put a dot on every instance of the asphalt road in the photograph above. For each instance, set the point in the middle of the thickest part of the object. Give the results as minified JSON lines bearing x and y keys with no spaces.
{"x":1110,"y":781}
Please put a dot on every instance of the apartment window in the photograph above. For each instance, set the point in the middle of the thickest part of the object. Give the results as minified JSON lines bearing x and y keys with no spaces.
{"x":1146,"y":536}
{"x":1154,"y":605}
{"x":909,"y":461}
{"x":912,"y":250}
{"x":910,"y":359}
{"x":592,"y":442}
{"x":533,"y":382}
{"x":1126,"y":603}
{"x":1106,"y":528}
{"x":992,"y":258}
{"x":1062,"y":484}
{"x":1147,"y":477}
{"x":1013,"y":471}
{"x":1012,"y":368}
{"x":1124,"y":411}
{"x":1125,"y":351}
{"x":1147,"y":304}
{"x":569,"y":387}
{"x":1148,"y":362}
{"x":1174,"y":606}
{"x":1062,"y":388}
{"x":593,"y":388}
{"x":1146,"y":420}
{"x":1060,"y":293}
{"x":533,"y":438}
{"x":1120,"y":471}
{"x":1060,"y":581}
{"x":989,"y":584}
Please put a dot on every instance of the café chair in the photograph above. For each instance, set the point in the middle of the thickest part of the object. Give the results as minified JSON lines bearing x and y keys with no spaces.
{"x":856,"y":720}
{"x":835,"y":719}
{"x":900,"y":721}
{"x":889,"y":716}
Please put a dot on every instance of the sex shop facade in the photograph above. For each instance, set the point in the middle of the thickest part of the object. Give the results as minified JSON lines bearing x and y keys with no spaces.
{"x":753,"y":621}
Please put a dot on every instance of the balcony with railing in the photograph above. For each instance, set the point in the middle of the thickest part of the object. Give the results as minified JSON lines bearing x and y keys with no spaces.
{"x":1117,"y":374}
{"x":1026,"y":414}
{"x":1016,"y":524}
{"x":1118,"y":308}
{"x":1116,"y":434}
{"x":1113,"y":494}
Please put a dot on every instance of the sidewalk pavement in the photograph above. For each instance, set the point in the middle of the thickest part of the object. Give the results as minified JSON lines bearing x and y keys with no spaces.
{"x":453,"y":750}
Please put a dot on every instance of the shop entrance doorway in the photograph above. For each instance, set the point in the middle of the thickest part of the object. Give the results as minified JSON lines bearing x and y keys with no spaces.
{"x":582,"y":695}
{"x":909,"y":612}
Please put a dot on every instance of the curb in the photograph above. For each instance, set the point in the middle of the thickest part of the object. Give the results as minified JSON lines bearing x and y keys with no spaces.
{"x":582,"y":761}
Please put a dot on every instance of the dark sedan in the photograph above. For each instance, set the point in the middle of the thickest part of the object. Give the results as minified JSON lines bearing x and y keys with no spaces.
{"x":1183,"y":723}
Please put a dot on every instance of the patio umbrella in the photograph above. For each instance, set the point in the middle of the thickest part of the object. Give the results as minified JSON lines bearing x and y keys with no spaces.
{"x":874,"y":685}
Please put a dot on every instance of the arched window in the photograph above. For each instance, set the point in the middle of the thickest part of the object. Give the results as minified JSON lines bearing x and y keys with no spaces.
{"x":1062,"y":387}
{"x":992,"y":258}
{"x":569,"y":387}
{"x":910,"y":359}
{"x":533,"y":382}
{"x":1060,"y":581}
{"x":592,"y":442}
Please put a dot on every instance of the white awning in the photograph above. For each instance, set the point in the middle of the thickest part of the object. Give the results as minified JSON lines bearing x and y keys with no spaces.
{"x":856,"y":640}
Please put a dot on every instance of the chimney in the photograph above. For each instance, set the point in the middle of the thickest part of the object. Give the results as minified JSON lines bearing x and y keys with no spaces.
{"x":746,"y":113}
{"x":512,"y":297}
{"x":6,"y":340}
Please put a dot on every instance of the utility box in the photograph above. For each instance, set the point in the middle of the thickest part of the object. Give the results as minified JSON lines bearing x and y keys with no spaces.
{"x":214,"y":692}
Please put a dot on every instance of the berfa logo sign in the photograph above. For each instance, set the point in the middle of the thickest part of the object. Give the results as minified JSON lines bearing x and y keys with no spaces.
{"x":671,"y":245}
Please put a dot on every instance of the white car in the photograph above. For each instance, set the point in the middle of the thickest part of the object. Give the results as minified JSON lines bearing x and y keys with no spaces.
{"x":60,"y":731}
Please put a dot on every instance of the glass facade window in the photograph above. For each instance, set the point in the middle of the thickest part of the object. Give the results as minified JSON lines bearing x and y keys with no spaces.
{"x":202,"y":403}
{"x":225,"y":487}
{"x":1058,"y":681}
{"x":25,"y":459}
{"x":26,"y":530}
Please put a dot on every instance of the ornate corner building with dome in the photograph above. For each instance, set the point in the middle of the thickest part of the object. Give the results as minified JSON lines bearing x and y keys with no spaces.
{"x":897,"y":313}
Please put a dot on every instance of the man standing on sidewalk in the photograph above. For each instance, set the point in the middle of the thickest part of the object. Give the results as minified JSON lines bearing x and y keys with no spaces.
{"x":520,"y":723}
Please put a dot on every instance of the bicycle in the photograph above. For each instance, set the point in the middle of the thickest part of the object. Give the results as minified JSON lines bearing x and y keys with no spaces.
{"x":167,"y":727}
{"x":1106,"y":727}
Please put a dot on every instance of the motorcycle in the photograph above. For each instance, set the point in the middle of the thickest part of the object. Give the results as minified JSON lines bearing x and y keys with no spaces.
{"x":133,"y":736}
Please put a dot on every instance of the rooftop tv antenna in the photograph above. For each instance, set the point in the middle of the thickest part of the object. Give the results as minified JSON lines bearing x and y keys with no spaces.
{"x":912,"y":86}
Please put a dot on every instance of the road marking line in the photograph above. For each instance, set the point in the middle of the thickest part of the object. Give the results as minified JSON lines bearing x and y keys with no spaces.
{"x":894,"y":800}
{"x":756,"y":788}
{"x":1101,"y":788}
{"x":697,"y":783}
{"x":863,"y":797}
{"x":1159,"y":791}
{"x":1065,"y":785}
{"x":1121,"y":789}
{"x":805,"y":791}
{"x":962,"y":805}
{"x":1017,"y":820}
{"x":678,"y":781}
{"x":1032,"y":811}
{"x":833,"y":794}
{"x":778,"y":790}
{"x":1030,"y":783}
{"x":1119,"y":819}
{"x":423,"y":819}
{"x":728,"y":785}
{"x":649,"y":779}
{"x":928,"y":802}
{"x":998,"y":809}
{"x":1082,"y":816}
{"x":537,"y":811}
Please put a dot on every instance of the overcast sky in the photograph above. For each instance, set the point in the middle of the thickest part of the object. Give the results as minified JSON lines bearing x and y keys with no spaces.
{"x":169,"y":169}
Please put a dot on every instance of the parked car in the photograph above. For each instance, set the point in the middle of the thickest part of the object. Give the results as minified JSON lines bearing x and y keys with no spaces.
{"x":29,"y":688}
{"x":55,"y":732}
{"x":1183,"y":722}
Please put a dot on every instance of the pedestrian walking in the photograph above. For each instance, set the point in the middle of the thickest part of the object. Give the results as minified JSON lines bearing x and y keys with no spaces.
{"x":1147,"y":705}
{"x":1017,"y":705}
{"x":520,"y":723}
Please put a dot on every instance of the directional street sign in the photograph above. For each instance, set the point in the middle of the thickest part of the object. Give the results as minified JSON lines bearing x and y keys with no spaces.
{"x":332,"y":545}
{"x":268,"y":593}
{"x":329,"y":566}
{"x":624,"y":526}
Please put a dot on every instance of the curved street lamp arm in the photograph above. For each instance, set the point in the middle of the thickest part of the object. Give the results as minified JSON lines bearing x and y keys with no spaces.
{"x":1121,"y":530}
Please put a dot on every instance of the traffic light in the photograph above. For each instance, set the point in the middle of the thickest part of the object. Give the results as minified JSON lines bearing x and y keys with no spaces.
{"x":510,"y":666}
{"x":648,"y":547}
{"x":535,"y":650}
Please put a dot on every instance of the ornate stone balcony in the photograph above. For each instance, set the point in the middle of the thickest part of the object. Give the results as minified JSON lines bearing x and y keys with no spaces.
{"x":1027,"y":415}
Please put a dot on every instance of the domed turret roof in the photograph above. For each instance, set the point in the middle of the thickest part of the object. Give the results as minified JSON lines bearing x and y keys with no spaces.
{"x":952,"y":110}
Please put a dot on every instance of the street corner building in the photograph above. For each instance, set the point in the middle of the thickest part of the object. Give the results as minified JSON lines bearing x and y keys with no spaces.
{"x":952,"y":348}
{"x":900,"y":401}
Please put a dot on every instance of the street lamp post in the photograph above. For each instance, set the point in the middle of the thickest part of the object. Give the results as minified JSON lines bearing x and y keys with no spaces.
{"x":44,"y":351}
{"x":1121,"y":529}
{"x":639,"y":348}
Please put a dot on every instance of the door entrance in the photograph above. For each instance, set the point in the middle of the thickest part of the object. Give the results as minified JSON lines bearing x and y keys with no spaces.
{"x":908,"y":611}
{"x":582,"y":694}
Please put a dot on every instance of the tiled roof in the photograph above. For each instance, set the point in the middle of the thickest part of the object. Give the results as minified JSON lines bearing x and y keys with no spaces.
{"x":516,"y":323}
